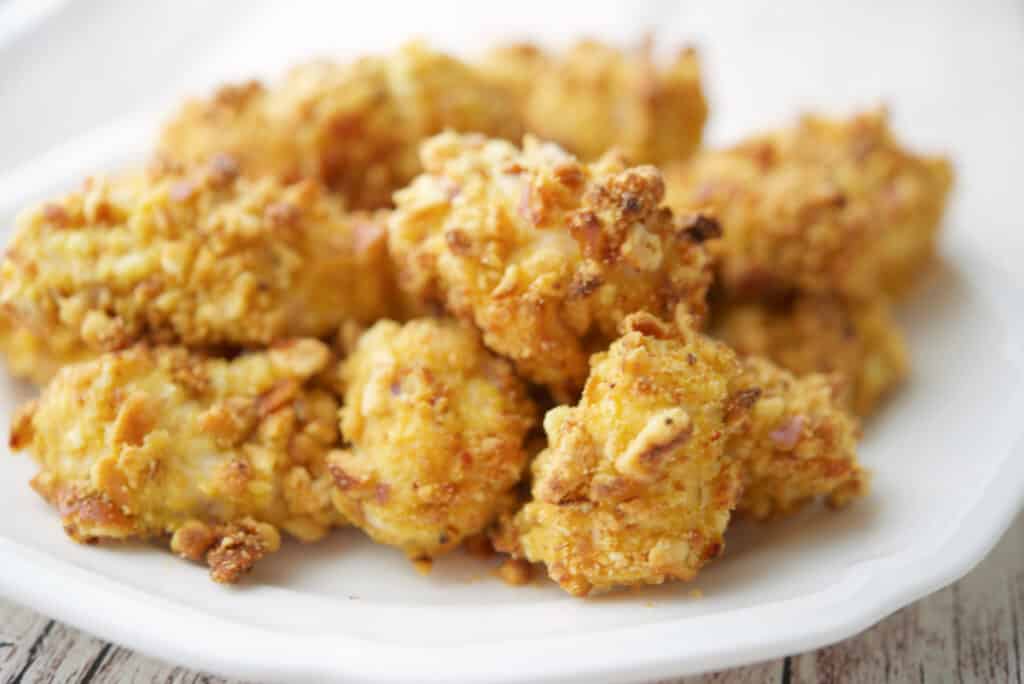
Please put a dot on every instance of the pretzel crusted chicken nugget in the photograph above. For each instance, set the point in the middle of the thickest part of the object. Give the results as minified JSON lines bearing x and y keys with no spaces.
{"x":796,"y":443}
{"x":160,"y":441}
{"x":201,"y":257}
{"x":827,"y":206}
{"x":355,"y":126}
{"x":596,"y":97}
{"x":436,"y":425}
{"x":822,"y":334}
{"x":544,"y":254}
{"x":636,"y":486}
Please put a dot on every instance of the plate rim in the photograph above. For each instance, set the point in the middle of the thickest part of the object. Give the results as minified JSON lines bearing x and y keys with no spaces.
{"x":869,"y":591}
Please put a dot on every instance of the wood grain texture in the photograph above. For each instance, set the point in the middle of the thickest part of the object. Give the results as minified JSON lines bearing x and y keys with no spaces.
{"x":971,"y":632}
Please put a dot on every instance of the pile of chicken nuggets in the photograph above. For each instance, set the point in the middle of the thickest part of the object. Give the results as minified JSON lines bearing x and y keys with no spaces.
{"x":509,"y":302}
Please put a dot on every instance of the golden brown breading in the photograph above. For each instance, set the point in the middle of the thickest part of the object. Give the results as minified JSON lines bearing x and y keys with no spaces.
{"x":515,"y":67}
{"x":436,"y":424}
{"x":827,"y":206}
{"x":822,"y":334}
{"x":544,"y":254}
{"x":636,"y":486}
{"x":796,"y":443}
{"x":149,"y":442}
{"x":596,"y":97}
{"x":201,"y":257}
{"x":355,"y":126}
{"x":36,"y":358}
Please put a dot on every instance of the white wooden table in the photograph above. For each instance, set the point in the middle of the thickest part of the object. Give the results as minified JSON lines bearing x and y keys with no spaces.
{"x":972,"y":631}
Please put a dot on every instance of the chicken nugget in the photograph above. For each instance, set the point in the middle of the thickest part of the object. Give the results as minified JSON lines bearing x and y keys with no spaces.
{"x":636,"y":486}
{"x":355,"y":126}
{"x":219,"y":454}
{"x":829,"y":206}
{"x":796,"y":443}
{"x":596,"y":97}
{"x":436,"y":425}
{"x":822,"y":334}
{"x":544,"y":254}
{"x":201,"y":257}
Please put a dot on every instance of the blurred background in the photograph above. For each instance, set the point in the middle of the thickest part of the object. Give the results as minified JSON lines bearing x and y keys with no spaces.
{"x":951,"y":72}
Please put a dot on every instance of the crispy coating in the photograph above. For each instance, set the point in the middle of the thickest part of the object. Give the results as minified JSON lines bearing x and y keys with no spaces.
{"x":201,"y":257}
{"x":823,"y":334}
{"x":796,"y":443}
{"x":36,"y":358}
{"x":544,"y":254}
{"x":515,"y":67}
{"x":826,"y":206}
{"x":636,"y":486}
{"x":436,"y":425}
{"x":355,"y":126}
{"x":596,"y":97}
{"x":148,"y":442}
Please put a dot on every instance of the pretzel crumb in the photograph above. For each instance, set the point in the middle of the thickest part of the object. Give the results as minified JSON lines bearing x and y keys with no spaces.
{"x":515,"y":572}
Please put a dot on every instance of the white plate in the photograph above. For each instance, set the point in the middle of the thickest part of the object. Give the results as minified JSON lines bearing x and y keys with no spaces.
{"x":948,"y":452}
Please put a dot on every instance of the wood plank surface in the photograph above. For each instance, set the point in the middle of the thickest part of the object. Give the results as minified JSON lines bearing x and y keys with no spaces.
{"x":970,"y":632}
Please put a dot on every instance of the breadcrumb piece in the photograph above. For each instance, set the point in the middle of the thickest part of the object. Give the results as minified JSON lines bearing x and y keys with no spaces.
{"x":193,"y":540}
{"x":423,"y":565}
{"x":515,"y":572}
{"x":240,"y":546}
